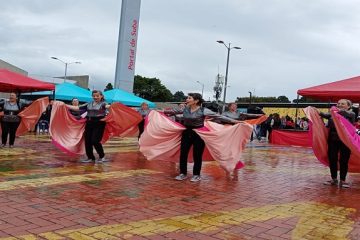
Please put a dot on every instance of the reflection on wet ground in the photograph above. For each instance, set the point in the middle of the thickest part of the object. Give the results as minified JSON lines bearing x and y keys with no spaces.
{"x":45,"y":194}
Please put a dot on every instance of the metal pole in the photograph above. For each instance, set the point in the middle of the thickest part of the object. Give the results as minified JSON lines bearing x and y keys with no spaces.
{"x":66,"y":64}
{"x":226,"y":75}
{"x":297,"y":109}
{"x":202,"y":88}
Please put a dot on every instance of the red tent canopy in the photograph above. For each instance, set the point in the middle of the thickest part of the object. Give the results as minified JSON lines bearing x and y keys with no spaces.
{"x":347,"y":88}
{"x":14,"y":82}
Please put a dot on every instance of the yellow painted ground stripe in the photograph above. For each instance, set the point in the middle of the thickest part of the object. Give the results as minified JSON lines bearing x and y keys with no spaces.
{"x":48,"y":181}
{"x":119,"y":149}
{"x":58,"y":170}
{"x":314,"y":171}
{"x":316,"y":221}
{"x":269,"y":169}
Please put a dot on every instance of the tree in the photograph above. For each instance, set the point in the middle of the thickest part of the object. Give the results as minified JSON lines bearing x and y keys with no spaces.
{"x":255,"y":99}
{"x":306,"y":100}
{"x":108,"y":87}
{"x":282,"y":99}
{"x":179,"y":96}
{"x":151,"y":89}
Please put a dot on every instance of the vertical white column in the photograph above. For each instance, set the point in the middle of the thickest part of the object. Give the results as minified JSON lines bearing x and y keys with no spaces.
{"x":127,"y":43}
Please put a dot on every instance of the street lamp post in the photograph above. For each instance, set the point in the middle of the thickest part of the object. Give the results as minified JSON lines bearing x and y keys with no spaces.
{"x":202,"y":89}
{"x":250,"y":97}
{"x":227,"y":68}
{"x":66,"y":65}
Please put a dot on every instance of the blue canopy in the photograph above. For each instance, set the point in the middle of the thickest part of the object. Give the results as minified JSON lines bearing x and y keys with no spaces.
{"x":68,"y":91}
{"x":126,"y":98}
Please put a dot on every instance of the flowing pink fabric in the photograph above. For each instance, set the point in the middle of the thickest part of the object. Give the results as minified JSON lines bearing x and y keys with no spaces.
{"x":68,"y":133}
{"x":345,"y":130}
{"x":226,"y":142}
{"x":348,"y":135}
{"x":31,"y":115}
{"x":162,"y":136}
{"x":319,"y":135}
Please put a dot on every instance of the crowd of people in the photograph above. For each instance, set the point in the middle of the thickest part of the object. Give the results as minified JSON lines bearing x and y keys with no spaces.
{"x":191,"y":115}
{"x":276,"y":122}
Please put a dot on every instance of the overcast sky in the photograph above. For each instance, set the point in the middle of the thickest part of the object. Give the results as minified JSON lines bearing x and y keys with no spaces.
{"x":286,"y":45}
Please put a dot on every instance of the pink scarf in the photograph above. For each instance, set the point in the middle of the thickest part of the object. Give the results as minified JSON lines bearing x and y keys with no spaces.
{"x":345,"y":130}
{"x":68,"y":133}
{"x":162,"y":136}
{"x":347,"y":134}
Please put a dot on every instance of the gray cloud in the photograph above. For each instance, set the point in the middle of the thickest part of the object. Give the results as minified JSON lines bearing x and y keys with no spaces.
{"x":286,"y":45}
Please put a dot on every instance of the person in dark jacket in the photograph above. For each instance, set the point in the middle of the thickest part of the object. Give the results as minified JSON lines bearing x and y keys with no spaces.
{"x":143,"y":111}
{"x":338,"y":152}
{"x":94,"y":128}
{"x":76,"y":113}
{"x":10,"y":121}
{"x":193,"y":117}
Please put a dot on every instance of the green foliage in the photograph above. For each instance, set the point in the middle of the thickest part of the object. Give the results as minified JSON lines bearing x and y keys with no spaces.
{"x":108,"y":87}
{"x":306,"y":100}
{"x":151,"y":89}
{"x":179,"y":96}
{"x":255,"y":99}
{"x":283,"y":99}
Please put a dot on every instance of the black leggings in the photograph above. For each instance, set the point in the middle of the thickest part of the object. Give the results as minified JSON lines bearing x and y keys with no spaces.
{"x":94,"y":131}
{"x":141,"y":127}
{"x":334,"y":147}
{"x":8,"y":128}
{"x":190,"y":138}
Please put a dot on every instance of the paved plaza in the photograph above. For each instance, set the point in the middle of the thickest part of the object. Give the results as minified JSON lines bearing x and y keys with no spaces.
{"x":45,"y":194}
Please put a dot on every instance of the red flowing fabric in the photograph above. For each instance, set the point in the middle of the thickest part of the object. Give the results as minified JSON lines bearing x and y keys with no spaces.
{"x":319,"y":135}
{"x":68,"y":133}
{"x":288,"y":137}
{"x":256,"y":121}
{"x":162,"y":136}
{"x":347,"y":134}
{"x":31,"y":115}
{"x":121,"y":121}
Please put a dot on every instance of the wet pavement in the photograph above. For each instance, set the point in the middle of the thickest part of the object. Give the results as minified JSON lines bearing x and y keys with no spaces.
{"x":45,"y":194}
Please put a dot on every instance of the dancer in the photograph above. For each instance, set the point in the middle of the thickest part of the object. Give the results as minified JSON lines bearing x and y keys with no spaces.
{"x":237,"y":115}
{"x":337,"y":150}
{"x":144,"y":111}
{"x":94,"y":128}
{"x":193,"y":118}
{"x":77,"y":113}
{"x":10,"y":121}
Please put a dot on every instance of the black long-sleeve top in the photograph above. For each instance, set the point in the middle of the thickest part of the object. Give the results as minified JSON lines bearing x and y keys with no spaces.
{"x":196,"y":119}
{"x":333,"y":135}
